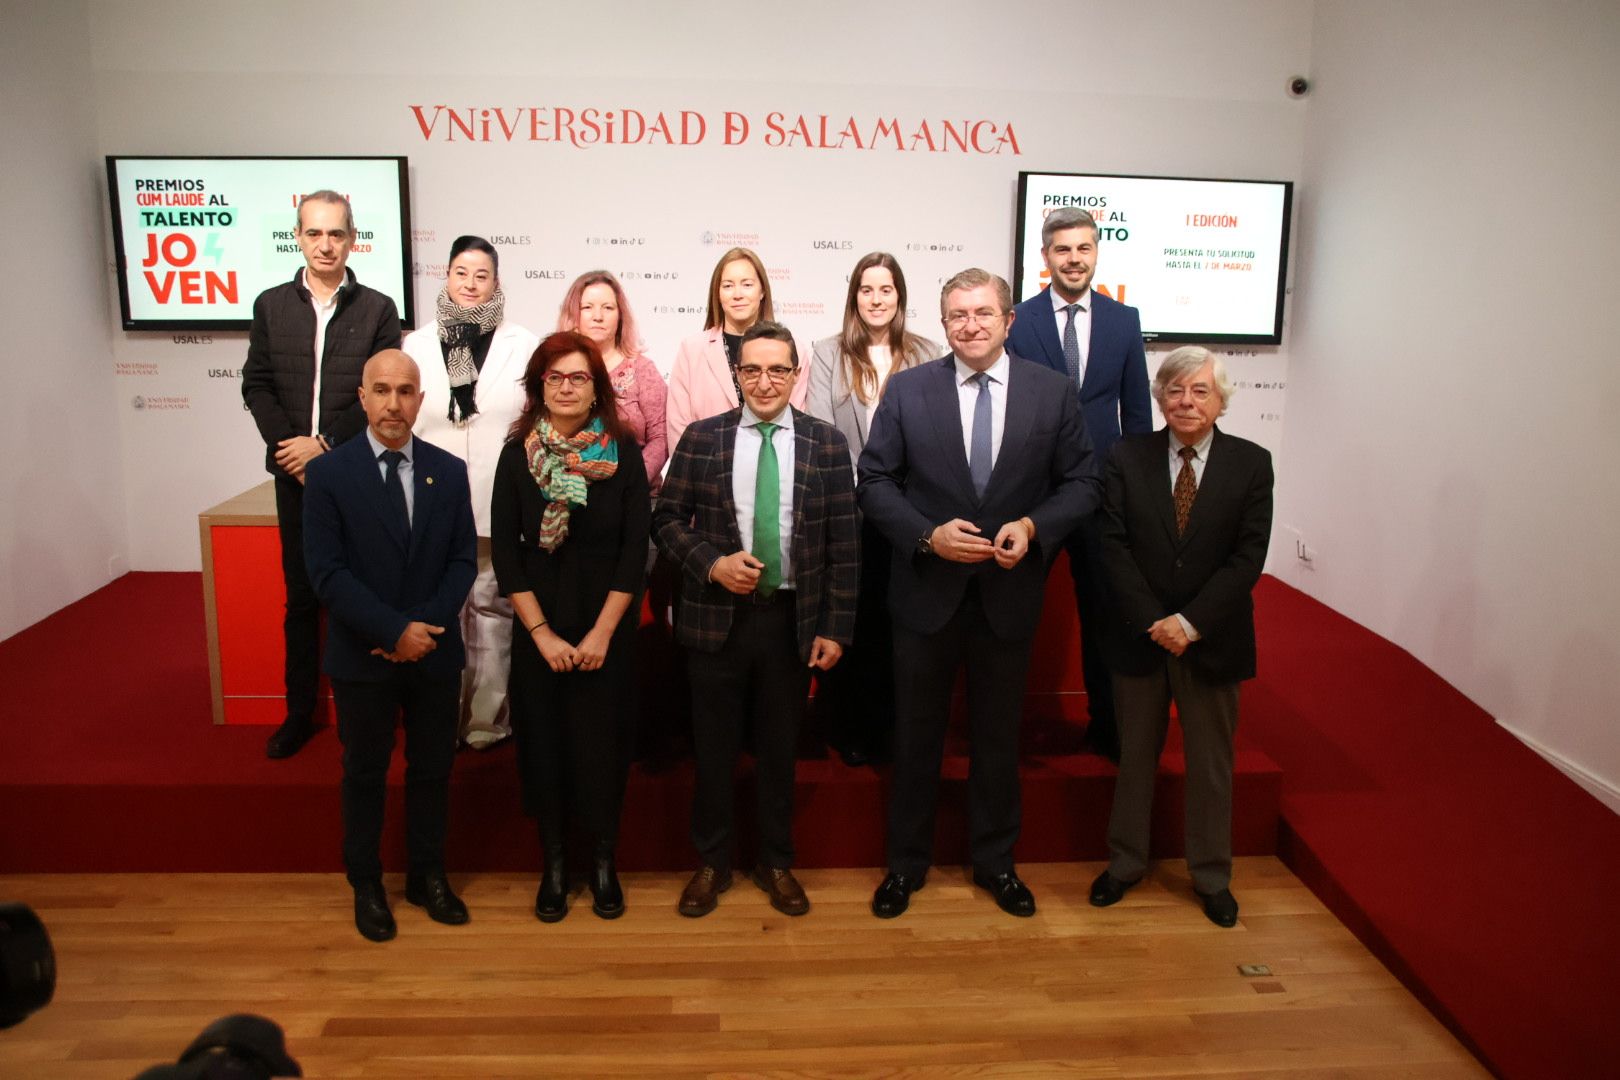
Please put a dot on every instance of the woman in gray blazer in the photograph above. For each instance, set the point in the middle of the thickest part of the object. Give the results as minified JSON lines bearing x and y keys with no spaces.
{"x":848,"y":372}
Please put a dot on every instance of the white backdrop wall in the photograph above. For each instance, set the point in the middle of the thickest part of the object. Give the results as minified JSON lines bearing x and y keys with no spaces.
{"x":1450,"y":437}
{"x":1184,"y":88}
{"x":61,"y":509}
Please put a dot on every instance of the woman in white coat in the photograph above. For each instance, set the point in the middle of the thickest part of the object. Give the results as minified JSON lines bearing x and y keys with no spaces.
{"x":472,"y":361}
{"x":848,"y":373}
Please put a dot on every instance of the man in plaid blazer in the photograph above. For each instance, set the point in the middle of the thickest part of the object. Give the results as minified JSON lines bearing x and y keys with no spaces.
{"x":758,"y":511}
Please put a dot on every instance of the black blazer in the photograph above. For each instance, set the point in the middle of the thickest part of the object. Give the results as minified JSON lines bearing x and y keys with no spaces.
{"x":370,"y":575}
{"x":1207,"y":575}
{"x":605,"y":550}
{"x":695,"y":523}
{"x":914,"y":476}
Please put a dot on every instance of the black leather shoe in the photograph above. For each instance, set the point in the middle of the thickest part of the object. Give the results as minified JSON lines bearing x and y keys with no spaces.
{"x":1012,"y":895}
{"x":289,"y":738}
{"x":1108,"y":890}
{"x":894,"y":895}
{"x":607,"y":899}
{"x":1221,"y":908}
{"x":371,"y":915}
{"x":702,"y":893}
{"x":432,"y":893}
{"x":551,"y":902}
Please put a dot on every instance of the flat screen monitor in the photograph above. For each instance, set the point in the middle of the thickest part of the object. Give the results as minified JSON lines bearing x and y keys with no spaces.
{"x":1202,"y":260}
{"x":198,"y":238}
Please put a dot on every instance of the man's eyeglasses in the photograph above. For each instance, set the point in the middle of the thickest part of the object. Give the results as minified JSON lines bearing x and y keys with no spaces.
{"x":751,"y":373}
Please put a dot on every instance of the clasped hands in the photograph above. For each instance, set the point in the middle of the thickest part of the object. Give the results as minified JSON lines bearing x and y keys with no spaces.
{"x":560,"y":656}
{"x":739,"y":573}
{"x":961,"y":541}
{"x":416,"y":642}
{"x":1169,"y":634}
{"x":295,"y":453}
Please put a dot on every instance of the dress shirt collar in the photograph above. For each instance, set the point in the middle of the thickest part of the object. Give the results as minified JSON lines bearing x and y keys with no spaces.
{"x":784,"y":419}
{"x":1058,"y":303}
{"x":997,"y":371}
{"x":377,"y":447}
{"x":1201,"y":447}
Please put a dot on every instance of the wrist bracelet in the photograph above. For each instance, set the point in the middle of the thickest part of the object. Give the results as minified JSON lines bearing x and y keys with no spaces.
{"x":536,"y":626}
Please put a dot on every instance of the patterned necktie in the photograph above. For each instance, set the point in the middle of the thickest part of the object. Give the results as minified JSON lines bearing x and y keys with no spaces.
{"x":1071,"y":345}
{"x":1186,"y":488}
{"x":396,"y":489}
{"x":767,"y":512}
{"x":979,"y":448}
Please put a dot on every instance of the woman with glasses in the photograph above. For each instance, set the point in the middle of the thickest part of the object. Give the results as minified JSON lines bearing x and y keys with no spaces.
{"x":596,"y":307}
{"x":703,"y":382}
{"x":570,"y":519}
{"x":471,"y":358}
{"x":848,"y":372}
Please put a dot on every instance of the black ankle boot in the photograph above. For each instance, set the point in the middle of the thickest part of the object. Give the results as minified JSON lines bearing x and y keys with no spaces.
{"x":607,"y":899}
{"x":551,"y":902}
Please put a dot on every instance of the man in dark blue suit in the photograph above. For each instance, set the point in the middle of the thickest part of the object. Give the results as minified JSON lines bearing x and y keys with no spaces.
{"x":392,"y":551}
{"x":1097,"y":343}
{"x":976,"y":467}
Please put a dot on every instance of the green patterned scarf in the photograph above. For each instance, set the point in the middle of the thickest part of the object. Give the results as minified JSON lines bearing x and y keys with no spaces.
{"x":565,"y":467}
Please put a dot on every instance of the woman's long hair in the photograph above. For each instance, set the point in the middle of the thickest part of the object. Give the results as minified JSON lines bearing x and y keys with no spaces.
{"x":905,"y":347}
{"x":717,"y":317}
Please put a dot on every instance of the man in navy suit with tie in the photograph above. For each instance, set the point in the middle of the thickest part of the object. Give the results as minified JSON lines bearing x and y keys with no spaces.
{"x":976,"y":467}
{"x":392,"y":551}
{"x":1097,"y":343}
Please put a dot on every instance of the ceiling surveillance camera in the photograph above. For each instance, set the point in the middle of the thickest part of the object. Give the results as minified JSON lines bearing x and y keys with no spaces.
{"x":1298,"y":86}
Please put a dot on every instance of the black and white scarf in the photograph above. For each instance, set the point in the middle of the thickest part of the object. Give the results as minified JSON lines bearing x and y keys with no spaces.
{"x":459,"y":328}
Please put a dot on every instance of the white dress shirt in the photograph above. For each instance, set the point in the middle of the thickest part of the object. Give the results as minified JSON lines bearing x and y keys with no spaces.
{"x":882,"y":358}
{"x":324,"y":309}
{"x":1200,"y":459}
{"x":744,"y":474}
{"x":967,"y":398}
{"x":1082,"y":323}
{"x":407,"y":475}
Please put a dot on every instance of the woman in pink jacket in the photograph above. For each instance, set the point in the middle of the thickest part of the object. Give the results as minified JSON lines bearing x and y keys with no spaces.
{"x":596,"y":307}
{"x":702,"y":383}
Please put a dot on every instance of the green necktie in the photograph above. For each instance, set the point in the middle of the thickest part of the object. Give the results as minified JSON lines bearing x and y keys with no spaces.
{"x":768,"y":512}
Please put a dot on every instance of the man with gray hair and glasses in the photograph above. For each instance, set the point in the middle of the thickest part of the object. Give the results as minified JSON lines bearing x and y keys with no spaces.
{"x":1186,"y":524}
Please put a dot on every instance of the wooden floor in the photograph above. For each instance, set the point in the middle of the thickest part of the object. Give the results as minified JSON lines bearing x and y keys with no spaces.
{"x":954,"y":988}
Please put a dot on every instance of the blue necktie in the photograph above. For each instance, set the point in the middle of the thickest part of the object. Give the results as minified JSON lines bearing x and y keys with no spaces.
{"x":395,"y":488}
{"x":1071,"y":345}
{"x":979,"y":454}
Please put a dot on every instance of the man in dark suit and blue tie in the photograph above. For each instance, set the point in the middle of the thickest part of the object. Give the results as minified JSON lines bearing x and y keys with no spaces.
{"x":976,"y":467}
{"x":1097,"y":343}
{"x":758,"y":512}
{"x":392,"y":551}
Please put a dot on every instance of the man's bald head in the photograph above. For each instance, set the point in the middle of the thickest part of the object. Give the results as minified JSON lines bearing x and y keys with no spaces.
{"x":391,"y":394}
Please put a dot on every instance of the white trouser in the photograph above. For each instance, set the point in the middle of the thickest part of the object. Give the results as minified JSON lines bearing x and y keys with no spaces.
{"x":486,"y":629}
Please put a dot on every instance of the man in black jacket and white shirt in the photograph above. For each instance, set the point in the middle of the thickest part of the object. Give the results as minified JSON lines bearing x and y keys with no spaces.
{"x":309,"y":340}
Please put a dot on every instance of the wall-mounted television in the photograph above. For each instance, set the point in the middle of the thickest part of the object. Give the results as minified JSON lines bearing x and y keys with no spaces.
{"x":1203,"y":260}
{"x":198,"y":238}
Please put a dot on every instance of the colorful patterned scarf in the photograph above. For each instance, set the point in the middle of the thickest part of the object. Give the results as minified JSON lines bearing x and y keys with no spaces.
{"x":565,"y":467}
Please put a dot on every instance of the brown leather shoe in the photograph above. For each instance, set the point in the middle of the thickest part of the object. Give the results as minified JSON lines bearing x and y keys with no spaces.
{"x":783,"y":889}
{"x":702,"y":893}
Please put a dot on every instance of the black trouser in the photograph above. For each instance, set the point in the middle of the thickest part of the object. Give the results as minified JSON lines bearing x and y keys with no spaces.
{"x":301,"y":625}
{"x":573,"y":739}
{"x":367,"y":713}
{"x":760,"y":660}
{"x":1091,"y":602}
{"x":925,"y":667}
{"x":855,"y":700}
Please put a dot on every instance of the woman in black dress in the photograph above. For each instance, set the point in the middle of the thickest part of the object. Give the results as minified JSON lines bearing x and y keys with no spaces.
{"x":569,"y":522}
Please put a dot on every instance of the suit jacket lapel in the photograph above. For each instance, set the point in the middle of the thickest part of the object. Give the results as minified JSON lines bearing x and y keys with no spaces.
{"x":1158,"y":482}
{"x":1216,"y":477}
{"x":421,"y":496}
{"x":720,"y":369}
{"x":370,"y":475}
{"x":1014,"y":426}
{"x":946,"y":412}
{"x":728,"y":501}
{"x":497,"y":364}
{"x":804,"y":449}
{"x":1100,"y":318}
{"x":1046,"y":332}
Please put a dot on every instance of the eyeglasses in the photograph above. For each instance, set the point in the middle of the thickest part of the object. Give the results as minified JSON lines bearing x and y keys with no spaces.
{"x":958,"y":319}
{"x":1197,"y":393}
{"x":577,"y":379}
{"x":750,"y":373}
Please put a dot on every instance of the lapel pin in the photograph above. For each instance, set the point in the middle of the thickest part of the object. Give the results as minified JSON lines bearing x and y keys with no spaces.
{"x":430,"y":480}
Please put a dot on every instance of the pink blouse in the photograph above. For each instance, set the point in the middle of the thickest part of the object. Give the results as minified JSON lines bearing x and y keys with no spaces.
{"x":640,"y":391}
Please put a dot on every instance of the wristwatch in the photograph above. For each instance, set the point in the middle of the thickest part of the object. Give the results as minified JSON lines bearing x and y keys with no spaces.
{"x":925,"y":543}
